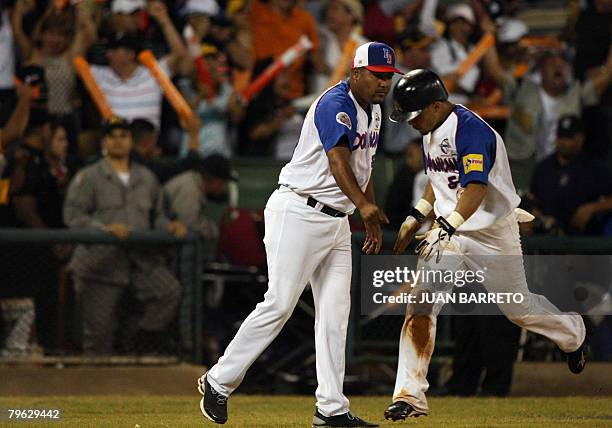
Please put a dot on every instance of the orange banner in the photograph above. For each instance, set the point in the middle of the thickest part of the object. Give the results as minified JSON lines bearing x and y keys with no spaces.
{"x":283,"y":61}
{"x":475,"y":55}
{"x":175,"y":98}
{"x":541,"y":42}
{"x":82,"y":68}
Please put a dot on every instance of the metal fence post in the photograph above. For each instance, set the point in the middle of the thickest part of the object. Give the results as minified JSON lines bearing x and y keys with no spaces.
{"x":198,"y":316}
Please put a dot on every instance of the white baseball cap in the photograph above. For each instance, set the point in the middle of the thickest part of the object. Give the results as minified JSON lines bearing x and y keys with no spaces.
{"x":460,"y":10}
{"x":375,"y":56}
{"x":512,"y":30}
{"x":127,"y":6}
{"x":201,"y":7}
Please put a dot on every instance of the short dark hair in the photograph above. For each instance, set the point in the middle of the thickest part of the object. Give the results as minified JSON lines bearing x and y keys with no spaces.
{"x":63,"y":22}
{"x":216,"y":166}
{"x":141,"y":128}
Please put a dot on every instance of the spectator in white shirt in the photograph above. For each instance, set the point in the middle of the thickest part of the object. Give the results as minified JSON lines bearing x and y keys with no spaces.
{"x":130,"y":88}
{"x":450,"y":51}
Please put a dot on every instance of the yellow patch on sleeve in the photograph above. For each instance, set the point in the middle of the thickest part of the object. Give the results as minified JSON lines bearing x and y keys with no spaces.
{"x":473,"y":162}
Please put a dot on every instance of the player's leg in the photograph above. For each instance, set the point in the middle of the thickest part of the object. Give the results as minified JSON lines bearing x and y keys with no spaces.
{"x":331,"y":288}
{"x":416,"y":347}
{"x":417,"y":340}
{"x":535,"y":313}
{"x":296,"y":240}
{"x":506,"y":274}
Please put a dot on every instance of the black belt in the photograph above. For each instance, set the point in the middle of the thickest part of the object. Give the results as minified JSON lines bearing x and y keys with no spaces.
{"x":312,"y":202}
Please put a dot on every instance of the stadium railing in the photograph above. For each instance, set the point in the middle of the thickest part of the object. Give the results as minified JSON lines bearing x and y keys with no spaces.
{"x":185,"y":256}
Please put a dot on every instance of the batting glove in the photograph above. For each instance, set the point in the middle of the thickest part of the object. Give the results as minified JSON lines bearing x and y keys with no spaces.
{"x":437,"y":240}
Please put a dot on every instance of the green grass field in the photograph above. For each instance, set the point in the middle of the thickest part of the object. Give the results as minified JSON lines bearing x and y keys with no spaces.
{"x":296,"y":411}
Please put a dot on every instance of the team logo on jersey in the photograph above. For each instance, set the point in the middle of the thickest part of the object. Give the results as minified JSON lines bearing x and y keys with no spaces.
{"x":473,"y":162}
{"x":343,"y":119}
{"x":445,"y":146}
{"x":365,"y":140}
{"x":441,"y":164}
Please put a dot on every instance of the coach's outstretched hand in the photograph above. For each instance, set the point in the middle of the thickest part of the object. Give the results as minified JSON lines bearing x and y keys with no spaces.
{"x":372,"y":217}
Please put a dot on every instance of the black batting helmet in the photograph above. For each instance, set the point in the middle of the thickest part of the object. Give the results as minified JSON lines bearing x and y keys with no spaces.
{"x":415,"y":91}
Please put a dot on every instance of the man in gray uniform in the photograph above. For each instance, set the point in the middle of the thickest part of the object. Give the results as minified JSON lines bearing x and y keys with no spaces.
{"x":120,"y":196}
{"x":186,"y":194}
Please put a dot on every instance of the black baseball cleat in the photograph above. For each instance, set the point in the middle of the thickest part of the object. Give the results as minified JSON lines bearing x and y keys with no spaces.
{"x":401,"y":410}
{"x":577,"y":360}
{"x":343,"y":420}
{"x":213,"y":405}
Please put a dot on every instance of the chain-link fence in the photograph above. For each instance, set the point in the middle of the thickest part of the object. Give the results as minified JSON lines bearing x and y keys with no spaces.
{"x":84,"y":294}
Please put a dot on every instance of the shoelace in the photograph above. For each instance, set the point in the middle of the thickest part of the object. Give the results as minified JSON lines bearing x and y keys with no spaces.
{"x":221,"y":399}
{"x":350,"y":416}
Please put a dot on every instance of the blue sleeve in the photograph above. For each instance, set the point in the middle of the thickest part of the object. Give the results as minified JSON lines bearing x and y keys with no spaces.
{"x":476,"y":145}
{"x":334,"y":119}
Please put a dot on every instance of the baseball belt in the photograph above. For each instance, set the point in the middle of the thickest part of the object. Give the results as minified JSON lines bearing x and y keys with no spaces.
{"x":312,"y":202}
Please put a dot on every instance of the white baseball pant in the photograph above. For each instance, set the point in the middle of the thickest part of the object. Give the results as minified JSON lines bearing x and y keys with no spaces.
{"x":302,"y":245}
{"x":503,"y":275}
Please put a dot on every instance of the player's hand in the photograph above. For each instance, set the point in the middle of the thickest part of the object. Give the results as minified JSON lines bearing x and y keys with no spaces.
{"x":407,"y":230}
{"x":583,"y":216}
{"x":373,"y":241}
{"x":433,"y":244}
{"x":120,"y":230}
{"x":371,"y":213}
{"x":177,"y":228}
{"x":372,"y":217}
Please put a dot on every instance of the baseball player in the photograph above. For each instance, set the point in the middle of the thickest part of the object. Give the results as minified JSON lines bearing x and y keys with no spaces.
{"x":474,"y":201}
{"x":308,"y":239}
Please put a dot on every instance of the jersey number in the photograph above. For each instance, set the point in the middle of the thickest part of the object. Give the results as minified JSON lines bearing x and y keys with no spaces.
{"x":453,"y":181}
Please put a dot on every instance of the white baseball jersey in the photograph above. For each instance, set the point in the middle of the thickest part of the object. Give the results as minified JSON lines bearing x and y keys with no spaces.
{"x":332,"y":116}
{"x":465,"y":149}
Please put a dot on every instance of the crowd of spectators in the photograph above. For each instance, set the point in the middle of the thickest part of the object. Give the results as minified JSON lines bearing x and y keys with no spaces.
{"x":549,"y":96}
